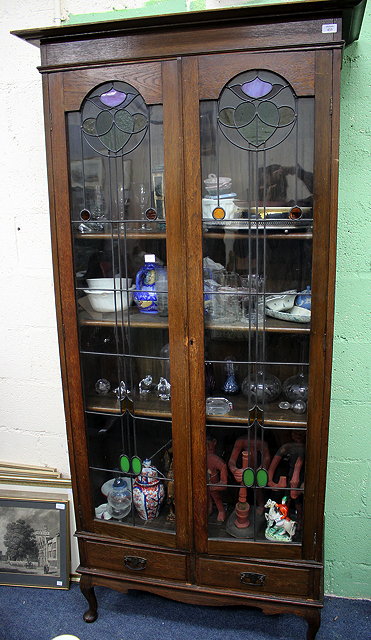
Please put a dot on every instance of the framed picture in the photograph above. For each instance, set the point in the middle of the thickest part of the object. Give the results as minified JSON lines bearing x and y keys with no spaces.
{"x":34,"y":540}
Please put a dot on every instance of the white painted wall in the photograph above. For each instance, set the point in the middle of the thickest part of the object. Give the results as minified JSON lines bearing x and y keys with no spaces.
{"x":32,"y":425}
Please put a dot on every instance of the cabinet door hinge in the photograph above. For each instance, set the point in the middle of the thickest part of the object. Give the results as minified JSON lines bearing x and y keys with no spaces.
{"x":51,"y":120}
{"x":324,"y":342}
{"x":315,"y":539}
{"x":331,"y":105}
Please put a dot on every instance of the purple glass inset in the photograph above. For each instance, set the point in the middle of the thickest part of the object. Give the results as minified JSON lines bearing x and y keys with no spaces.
{"x":113,"y":98}
{"x":256,"y":88}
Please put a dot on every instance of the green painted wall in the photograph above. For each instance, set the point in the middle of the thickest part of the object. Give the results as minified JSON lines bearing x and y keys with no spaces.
{"x":348,"y":500}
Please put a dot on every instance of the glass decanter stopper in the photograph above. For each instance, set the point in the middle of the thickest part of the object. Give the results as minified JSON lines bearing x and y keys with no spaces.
{"x":163,"y":389}
{"x":298,"y":406}
{"x":102,"y":386}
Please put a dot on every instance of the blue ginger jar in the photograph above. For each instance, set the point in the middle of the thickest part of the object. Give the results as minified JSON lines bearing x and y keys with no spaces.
{"x":304,"y":299}
{"x":145,"y":296}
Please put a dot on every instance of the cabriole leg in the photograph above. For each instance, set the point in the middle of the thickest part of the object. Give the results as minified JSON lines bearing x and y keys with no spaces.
{"x":88,"y":591}
{"x":314,"y":620}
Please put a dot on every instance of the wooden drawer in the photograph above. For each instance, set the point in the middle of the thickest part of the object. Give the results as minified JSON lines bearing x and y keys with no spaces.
{"x":254,"y":578}
{"x":132,"y":561}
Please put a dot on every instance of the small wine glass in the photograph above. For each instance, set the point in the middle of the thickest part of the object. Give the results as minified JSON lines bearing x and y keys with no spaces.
{"x":142,"y":199}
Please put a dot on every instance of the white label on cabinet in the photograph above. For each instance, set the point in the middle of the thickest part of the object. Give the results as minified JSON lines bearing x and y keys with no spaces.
{"x":60,"y":505}
{"x":59,"y":583}
{"x":329,"y":28}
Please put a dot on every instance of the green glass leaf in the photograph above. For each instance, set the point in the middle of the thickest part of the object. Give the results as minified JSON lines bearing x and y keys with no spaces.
{"x":257,"y":132}
{"x":140,"y":122}
{"x":248,"y":477}
{"x":262,"y":477}
{"x":124,"y":121}
{"x":136,"y":465}
{"x":226,"y":117}
{"x":89,"y":126}
{"x":104,"y":122}
{"x":287,"y":115}
{"x":125,"y":463}
{"x":244,"y":114}
{"x":269,"y":113}
{"x":115,"y":139}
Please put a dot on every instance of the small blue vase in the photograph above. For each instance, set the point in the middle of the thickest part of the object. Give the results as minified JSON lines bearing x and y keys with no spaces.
{"x":145,"y":296}
{"x":230,"y":385}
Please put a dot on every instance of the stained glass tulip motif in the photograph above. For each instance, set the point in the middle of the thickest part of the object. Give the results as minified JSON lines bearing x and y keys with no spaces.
{"x":257,"y":114}
{"x":114,"y":119}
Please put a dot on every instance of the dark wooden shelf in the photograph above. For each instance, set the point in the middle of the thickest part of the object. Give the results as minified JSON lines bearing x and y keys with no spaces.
{"x":153,"y":407}
{"x":237,"y":235}
{"x":131,"y":235}
{"x":142,"y":320}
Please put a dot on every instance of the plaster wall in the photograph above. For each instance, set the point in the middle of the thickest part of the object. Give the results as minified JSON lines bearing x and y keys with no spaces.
{"x":31,"y":411}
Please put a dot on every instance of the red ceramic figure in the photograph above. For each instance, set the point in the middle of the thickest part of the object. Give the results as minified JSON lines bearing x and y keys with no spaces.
{"x":217,"y":475}
{"x":293,"y":454}
{"x":254,"y":453}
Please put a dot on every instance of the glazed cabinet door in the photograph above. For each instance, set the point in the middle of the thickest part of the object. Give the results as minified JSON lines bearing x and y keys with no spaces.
{"x":118,"y":238}
{"x":258,"y":216}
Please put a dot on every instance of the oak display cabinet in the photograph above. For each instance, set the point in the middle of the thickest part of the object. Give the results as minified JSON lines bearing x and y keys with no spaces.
{"x":193,"y":192}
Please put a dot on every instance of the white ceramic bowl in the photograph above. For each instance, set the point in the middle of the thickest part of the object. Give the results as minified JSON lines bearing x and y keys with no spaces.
{"x":281,"y":302}
{"x":209,"y":204}
{"x":108,"y":295}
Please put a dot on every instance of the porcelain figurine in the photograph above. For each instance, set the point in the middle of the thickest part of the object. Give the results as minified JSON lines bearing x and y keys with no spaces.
{"x":148,"y":492}
{"x":279,"y":526}
{"x":145,"y":296}
{"x":217,"y":475}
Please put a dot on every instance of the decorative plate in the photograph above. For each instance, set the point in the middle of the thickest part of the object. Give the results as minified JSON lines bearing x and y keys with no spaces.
{"x":287,"y":317}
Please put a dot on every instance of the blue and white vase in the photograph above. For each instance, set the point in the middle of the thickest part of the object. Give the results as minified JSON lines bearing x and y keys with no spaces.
{"x":145,"y":295}
{"x":304,"y":299}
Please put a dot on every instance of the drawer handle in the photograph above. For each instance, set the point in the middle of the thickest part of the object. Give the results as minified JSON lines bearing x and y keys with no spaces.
{"x":135,"y":563}
{"x":253,"y":579}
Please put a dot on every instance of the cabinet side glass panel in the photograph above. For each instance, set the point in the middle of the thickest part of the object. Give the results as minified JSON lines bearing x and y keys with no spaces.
{"x":257,"y":215}
{"x":118,"y":224}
